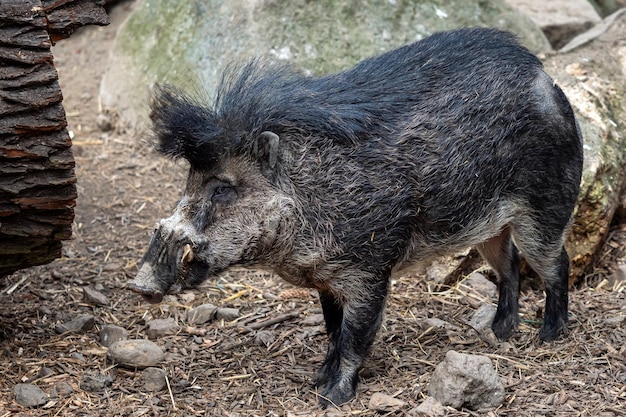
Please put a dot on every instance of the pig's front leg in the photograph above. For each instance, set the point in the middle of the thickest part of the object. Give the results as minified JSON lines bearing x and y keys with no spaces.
{"x":351,"y":323}
{"x":333,"y":317}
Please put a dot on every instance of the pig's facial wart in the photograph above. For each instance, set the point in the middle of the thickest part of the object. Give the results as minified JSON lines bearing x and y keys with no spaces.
{"x":178,"y":225}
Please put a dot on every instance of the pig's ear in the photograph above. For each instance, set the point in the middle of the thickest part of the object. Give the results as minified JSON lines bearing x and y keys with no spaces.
{"x":266,"y":149}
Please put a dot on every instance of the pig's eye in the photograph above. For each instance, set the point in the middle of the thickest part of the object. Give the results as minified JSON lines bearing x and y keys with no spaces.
{"x":223,"y":194}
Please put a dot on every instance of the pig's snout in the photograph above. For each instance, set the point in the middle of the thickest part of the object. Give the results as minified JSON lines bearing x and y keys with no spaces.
{"x":146,"y":285}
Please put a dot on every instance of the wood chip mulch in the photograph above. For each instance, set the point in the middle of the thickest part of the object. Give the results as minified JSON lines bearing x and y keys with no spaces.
{"x":225,"y":368}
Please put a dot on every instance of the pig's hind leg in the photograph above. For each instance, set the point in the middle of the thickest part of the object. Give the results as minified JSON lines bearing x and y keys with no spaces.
{"x":503,"y":257}
{"x":547,"y":257}
{"x":351,"y":323}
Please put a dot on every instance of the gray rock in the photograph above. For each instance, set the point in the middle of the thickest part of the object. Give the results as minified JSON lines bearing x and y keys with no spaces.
{"x":560,"y":20}
{"x":428,"y":408}
{"x":162,"y":327}
{"x":63,"y":389}
{"x":313,"y":320}
{"x":615,"y":320}
{"x":463,"y":380}
{"x":201,"y":314}
{"x":95,"y":382}
{"x":109,"y":267}
{"x":136,"y":353}
{"x":319,"y":37}
{"x":385,"y":403}
{"x":111,"y":333}
{"x":78,"y":325}
{"x":154,"y":379}
{"x":93,"y":296}
{"x":227,"y":314}
{"x":29,"y":395}
{"x":594,"y":32}
{"x":104,"y":121}
{"x":45,"y":372}
{"x":619,"y":276}
{"x":483,"y":317}
{"x":481,"y":285}
{"x":440,"y":324}
{"x":264,"y":338}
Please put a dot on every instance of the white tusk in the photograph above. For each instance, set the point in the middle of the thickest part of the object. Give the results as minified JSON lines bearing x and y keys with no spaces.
{"x":187,"y":254}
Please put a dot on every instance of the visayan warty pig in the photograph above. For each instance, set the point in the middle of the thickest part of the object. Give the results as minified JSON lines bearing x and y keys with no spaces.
{"x":336,"y":182}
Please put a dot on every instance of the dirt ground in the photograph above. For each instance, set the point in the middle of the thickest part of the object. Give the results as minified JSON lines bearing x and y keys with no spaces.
{"x":219,"y":368}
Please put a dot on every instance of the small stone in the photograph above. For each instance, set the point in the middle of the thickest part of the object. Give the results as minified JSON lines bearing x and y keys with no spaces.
{"x":615,"y":320}
{"x":264,"y":338}
{"x":618,"y":276}
{"x":111,"y":333}
{"x":187,"y":297}
{"x":313,"y":320}
{"x":227,"y":314}
{"x":104,"y":122}
{"x":469,"y":381}
{"x":162,"y":327}
{"x":137,"y":353}
{"x":79,"y":324}
{"x":440,"y":324}
{"x":58,"y":275}
{"x":429,"y":408}
{"x":308,"y":332}
{"x":483,"y":317}
{"x":93,"y":296}
{"x":29,"y":395}
{"x":385,"y":403}
{"x":45,"y":372}
{"x":111,"y":267}
{"x":153,"y":379}
{"x":45,"y":311}
{"x":63,"y":389}
{"x":77,"y":356}
{"x":481,"y":285}
{"x":201,"y":314}
{"x":95,"y":382}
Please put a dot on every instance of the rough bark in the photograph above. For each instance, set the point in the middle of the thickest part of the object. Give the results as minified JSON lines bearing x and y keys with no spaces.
{"x":37,"y":179}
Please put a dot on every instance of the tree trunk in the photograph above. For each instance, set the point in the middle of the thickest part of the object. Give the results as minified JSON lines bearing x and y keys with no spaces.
{"x":37,"y":180}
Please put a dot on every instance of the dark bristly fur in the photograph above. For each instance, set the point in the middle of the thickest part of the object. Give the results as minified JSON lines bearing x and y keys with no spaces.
{"x":337,"y":182}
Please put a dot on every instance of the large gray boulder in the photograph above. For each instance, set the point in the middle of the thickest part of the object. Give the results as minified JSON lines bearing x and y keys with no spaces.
{"x":190,"y":42}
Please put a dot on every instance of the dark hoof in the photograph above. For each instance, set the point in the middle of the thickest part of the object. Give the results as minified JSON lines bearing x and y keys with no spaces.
{"x":327,"y":371}
{"x":503,"y":328}
{"x":553,"y":325}
{"x":337,"y":394}
{"x":550,"y":333}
